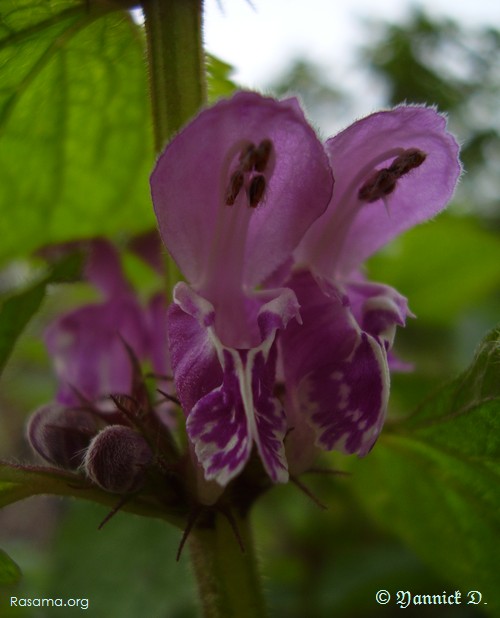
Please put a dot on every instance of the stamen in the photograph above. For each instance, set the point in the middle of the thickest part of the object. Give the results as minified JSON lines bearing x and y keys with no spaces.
{"x":262,"y":154}
{"x":247,"y":158}
{"x":367,"y":184}
{"x":380,"y":184}
{"x":256,"y":190}
{"x":407,"y":161}
{"x":251,"y":159}
{"x":383,"y":182}
{"x":235,"y":184}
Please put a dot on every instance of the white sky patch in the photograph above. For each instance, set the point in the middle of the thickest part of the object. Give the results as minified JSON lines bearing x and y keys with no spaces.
{"x":261,"y":42}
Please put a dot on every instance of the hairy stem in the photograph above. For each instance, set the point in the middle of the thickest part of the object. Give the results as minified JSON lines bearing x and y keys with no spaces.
{"x":176,"y":64}
{"x":225,"y":568}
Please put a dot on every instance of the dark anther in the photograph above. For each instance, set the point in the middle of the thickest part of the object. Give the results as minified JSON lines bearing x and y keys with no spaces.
{"x":383,"y":182}
{"x":256,"y":190}
{"x":247,"y":158}
{"x":262,"y":154}
{"x":380,"y":184}
{"x":407,"y":161}
{"x":235,"y":184}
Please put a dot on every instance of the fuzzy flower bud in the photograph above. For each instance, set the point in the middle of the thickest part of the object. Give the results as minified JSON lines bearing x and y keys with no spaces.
{"x":61,"y":435}
{"x":117,"y":458}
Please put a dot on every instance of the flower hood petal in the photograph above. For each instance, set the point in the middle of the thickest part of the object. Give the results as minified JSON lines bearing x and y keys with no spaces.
{"x":197,"y":188}
{"x":88,"y":350}
{"x":353,"y":228}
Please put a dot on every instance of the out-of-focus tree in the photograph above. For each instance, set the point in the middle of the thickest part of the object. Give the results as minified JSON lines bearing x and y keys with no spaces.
{"x":456,"y":67}
{"x":428,"y":60}
{"x":306,"y":79}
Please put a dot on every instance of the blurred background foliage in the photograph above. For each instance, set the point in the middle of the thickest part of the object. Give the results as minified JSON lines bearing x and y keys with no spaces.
{"x":315,"y":563}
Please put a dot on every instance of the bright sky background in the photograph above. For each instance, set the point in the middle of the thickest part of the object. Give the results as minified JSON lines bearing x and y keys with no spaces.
{"x":260,"y":41}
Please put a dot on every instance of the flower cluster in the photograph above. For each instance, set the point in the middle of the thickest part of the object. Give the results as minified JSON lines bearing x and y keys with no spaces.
{"x":277,"y":343}
{"x":102,"y":420}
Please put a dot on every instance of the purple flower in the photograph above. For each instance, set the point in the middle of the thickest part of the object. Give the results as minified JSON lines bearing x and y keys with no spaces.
{"x":234,"y":194}
{"x":275,"y":295}
{"x":96,"y":351}
{"x":392,"y":170}
{"x":87,"y":344}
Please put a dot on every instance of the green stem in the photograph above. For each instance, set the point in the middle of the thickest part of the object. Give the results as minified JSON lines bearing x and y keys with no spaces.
{"x":227,"y":576}
{"x":176,"y":64}
{"x":228,"y":582}
{"x":176,"y":76}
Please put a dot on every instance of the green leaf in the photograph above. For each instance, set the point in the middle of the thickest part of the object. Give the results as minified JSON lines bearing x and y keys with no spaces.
{"x":75,"y":136}
{"x":10,"y":573}
{"x":434,"y":478}
{"x":445,"y":267}
{"x":219,"y":80}
{"x":127,"y":569}
{"x":17,"y":310}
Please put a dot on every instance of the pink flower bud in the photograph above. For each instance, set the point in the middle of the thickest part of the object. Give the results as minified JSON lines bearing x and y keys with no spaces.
{"x":117,"y":458}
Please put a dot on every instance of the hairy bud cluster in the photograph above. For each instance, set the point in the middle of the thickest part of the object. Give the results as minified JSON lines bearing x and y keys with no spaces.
{"x":112,"y":454}
{"x":117,"y":459}
{"x":61,"y":435}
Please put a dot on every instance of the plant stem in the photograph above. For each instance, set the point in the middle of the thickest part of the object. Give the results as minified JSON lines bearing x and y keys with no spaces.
{"x":177,"y":79}
{"x":227,"y":577}
{"x":176,"y":64}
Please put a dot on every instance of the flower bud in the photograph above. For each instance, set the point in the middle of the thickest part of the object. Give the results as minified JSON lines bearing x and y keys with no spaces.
{"x":61,"y":435}
{"x":117,"y":458}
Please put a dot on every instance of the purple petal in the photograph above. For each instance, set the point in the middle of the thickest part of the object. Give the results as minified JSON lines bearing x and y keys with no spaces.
{"x":196,"y":368}
{"x":346,"y":400}
{"x":378,"y":309}
{"x":149,"y":248}
{"x":213,"y":241}
{"x":227,"y":392}
{"x":328,"y":327}
{"x":158,"y":346}
{"x":224,"y":424}
{"x":88,"y":350}
{"x":353,"y":229}
{"x":278,"y":311}
{"x":270,"y":419}
{"x":218,"y":426}
{"x":337,"y":374}
{"x":104,"y":270}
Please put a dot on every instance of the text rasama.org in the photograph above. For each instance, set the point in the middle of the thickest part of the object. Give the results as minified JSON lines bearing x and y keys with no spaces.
{"x":39,"y":602}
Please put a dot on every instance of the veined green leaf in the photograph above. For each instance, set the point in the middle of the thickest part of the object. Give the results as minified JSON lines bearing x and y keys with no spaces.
{"x":17,"y":309}
{"x":219,"y":79}
{"x":10,"y":573}
{"x":75,"y":136}
{"x":434,"y":479}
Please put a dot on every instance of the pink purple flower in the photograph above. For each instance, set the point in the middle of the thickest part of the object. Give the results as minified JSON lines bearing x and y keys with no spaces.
{"x":392,"y":170}
{"x":96,"y":350}
{"x":272,"y":254}
{"x":234,"y":194}
{"x":88,"y":344}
